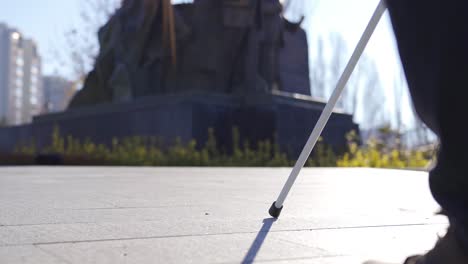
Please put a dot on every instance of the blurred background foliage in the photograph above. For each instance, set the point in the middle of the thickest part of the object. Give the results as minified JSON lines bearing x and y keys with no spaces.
{"x":153,"y":151}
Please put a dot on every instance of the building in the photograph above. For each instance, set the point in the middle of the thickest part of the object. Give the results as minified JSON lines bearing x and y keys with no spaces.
{"x":57,"y":93}
{"x":33,"y":96}
{"x":20,"y":78}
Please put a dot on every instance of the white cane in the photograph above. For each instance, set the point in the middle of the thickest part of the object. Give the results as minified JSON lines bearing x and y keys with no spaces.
{"x":277,"y":206}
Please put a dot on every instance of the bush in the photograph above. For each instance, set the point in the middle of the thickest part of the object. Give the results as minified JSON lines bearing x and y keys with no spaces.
{"x":151,"y":151}
{"x":376,"y":154}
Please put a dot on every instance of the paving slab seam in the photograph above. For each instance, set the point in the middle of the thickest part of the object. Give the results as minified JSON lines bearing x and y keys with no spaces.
{"x":75,"y":223}
{"x":52,"y":224}
{"x":301,"y":244}
{"x":216,"y":234}
{"x":136,"y":207}
{"x":289,"y":259}
{"x":292,"y":230}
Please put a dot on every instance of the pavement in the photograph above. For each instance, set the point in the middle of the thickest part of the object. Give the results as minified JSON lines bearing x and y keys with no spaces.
{"x":212,"y":215}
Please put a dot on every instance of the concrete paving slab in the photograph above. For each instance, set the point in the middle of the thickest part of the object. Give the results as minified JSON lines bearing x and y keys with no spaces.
{"x":393,"y":243}
{"x":28,"y":255}
{"x":212,"y":215}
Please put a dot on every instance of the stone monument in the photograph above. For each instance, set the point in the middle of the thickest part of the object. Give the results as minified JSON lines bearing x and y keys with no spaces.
{"x":177,"y":71}
{"x":219,"y":46}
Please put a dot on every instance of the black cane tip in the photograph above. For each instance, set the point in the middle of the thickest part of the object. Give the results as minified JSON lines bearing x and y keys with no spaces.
{"x":274,"y":211}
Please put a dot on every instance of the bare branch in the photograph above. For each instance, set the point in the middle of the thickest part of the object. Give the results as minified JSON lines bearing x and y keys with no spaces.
{"x":82,"y":41}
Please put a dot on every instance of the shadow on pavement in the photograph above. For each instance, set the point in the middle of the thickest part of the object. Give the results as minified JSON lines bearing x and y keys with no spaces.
{"x":258,"y":242}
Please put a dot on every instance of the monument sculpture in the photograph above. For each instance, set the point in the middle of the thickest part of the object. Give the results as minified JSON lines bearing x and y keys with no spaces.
{"x":149,"y":47}
{"x":178,"y":71}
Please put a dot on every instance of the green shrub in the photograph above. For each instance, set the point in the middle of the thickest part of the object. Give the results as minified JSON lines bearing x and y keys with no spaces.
{"x":151,"y":151}
{"x":376,"y":154}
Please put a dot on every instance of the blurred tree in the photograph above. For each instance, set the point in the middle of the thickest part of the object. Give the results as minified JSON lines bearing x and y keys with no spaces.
{"x":82,"y":40}
{"x":338,"y":60}
{"x":398,"y":96}
{"x":318,"y":72}
{"x":363,"y":96}
{"x":367,"y":93}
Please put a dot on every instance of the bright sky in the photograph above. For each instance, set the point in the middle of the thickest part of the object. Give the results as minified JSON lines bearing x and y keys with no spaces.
{"x":46,"y":20}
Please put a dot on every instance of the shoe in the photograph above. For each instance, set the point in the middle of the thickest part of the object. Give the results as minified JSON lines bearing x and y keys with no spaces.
{"x":446,"y":251}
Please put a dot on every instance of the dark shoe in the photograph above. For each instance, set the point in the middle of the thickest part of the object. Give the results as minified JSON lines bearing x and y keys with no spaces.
{"x":446,"y":251}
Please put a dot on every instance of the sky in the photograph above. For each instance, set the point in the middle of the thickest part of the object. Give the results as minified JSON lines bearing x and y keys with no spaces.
{"x":46,"y":21}
{"x":349,"y":19}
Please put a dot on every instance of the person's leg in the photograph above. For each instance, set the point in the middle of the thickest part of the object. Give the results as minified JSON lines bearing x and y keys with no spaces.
{"x":432,"y":37}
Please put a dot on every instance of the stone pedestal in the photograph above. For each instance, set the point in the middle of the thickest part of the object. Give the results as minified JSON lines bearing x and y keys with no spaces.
{"x":286,"y":118}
